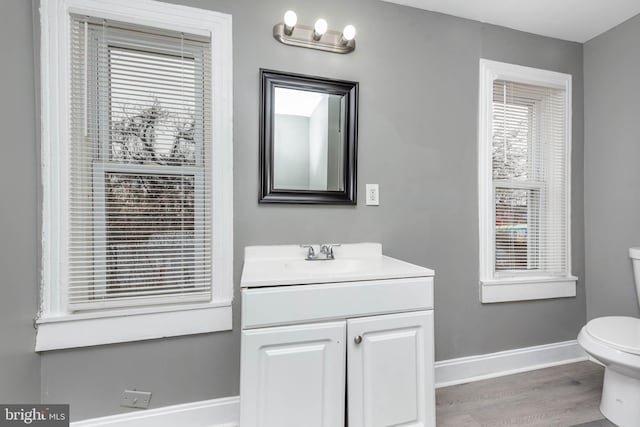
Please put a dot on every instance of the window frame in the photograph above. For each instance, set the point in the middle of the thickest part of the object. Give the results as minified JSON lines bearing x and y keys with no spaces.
{"x":506,"y":286}
{"x":58,"y":327}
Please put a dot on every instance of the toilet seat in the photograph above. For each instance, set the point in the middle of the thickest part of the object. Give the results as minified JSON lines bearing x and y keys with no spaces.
{"x":621,"y":333}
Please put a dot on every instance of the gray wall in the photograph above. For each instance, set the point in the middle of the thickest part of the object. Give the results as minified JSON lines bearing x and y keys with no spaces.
{"x":19,"y":365}
{"x":612,"y":168}
{"x":418,"y":133}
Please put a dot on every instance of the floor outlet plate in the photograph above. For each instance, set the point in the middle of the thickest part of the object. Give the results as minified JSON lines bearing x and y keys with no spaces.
{"x":135,"y":399}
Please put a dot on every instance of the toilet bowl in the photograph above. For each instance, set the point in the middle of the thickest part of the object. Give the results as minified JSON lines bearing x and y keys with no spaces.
{"x":614,"y":341}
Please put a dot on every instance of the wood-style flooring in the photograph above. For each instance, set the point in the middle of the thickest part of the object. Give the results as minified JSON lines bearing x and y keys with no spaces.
{"x":562,"y":396}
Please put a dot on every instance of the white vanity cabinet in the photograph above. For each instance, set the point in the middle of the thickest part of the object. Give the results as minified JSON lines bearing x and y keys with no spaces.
{"x":327,"y":348}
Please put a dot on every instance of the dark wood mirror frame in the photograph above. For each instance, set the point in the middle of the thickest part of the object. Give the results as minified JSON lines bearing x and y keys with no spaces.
{"x":269,"y":80}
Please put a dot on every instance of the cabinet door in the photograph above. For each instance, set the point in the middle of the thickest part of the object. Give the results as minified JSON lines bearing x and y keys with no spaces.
{"x":390,"y":370}
{"x":293,"y":376}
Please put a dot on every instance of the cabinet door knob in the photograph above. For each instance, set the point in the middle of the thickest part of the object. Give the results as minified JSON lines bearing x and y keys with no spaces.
{"x":357,"y":339}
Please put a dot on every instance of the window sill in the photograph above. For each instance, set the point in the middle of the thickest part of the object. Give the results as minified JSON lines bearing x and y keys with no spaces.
{"x":526,"y":289}
{"x":116,"y":326}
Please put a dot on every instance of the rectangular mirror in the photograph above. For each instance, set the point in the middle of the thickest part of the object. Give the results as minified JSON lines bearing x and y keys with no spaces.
{"x":308,"y":139}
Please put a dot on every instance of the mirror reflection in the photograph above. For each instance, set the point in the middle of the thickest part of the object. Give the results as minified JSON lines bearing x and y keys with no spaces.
{"x":308,"y":140}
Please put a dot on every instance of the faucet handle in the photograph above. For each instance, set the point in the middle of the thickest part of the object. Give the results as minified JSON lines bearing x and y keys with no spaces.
{"x":311,"y":253}
{"x":327,"y":249}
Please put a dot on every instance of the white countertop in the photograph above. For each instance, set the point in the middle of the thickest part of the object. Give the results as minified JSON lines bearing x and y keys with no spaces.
{"x":286,"y":265}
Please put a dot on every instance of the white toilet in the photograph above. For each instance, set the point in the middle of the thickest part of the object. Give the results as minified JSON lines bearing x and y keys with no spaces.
{"x":615,"y":342}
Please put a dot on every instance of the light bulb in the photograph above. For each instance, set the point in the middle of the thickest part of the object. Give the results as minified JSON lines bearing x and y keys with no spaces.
{"x":290,"y":18}
{"x":320,"y":27}
{"x":349,"y":32}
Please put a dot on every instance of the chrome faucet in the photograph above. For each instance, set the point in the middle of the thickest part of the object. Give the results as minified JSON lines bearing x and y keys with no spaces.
{"x":326,"y":249}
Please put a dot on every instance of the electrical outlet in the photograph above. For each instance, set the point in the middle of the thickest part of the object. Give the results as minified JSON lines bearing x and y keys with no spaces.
{"x":136,"y":399}
{"x":373,"y":194}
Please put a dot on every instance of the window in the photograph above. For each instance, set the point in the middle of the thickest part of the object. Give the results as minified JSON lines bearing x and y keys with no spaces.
{"x":524,"y":153}
{"x":138,"y":185}
{"x":140,"y":160}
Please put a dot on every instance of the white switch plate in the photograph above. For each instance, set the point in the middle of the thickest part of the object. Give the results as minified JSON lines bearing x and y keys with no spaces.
{"x":373,"y":195}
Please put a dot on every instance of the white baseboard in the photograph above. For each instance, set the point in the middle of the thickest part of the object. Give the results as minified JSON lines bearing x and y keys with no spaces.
{"x":485,"y":366}
{"x":223,"y":412}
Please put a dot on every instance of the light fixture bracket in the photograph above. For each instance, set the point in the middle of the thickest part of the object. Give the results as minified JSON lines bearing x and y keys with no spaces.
{"x":302,"y":36}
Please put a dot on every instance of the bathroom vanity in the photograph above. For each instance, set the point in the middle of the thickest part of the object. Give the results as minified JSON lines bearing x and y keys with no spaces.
{"x":346,"y":341}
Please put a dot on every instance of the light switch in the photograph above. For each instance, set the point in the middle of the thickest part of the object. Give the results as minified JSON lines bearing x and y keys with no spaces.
{"x":373,"y":195}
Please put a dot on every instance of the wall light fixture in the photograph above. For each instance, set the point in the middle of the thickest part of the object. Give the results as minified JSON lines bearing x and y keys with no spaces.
{"x":316,"y":37}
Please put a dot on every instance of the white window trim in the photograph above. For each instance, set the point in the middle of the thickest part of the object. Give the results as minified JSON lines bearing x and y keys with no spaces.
{"x":527,"y":287}
{"x":57,"y":327}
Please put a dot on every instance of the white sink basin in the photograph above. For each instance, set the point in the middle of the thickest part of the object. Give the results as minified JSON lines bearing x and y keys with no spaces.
{"x":334,"y":266}
{"x":285,"y":265}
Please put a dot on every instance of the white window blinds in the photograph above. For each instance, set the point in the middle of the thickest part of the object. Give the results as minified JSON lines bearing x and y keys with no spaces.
{"x":530,"y":180}
{"x":140,"y":167}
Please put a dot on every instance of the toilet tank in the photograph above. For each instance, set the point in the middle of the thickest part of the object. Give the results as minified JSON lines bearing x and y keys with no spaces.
{"x":634,"y":253}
